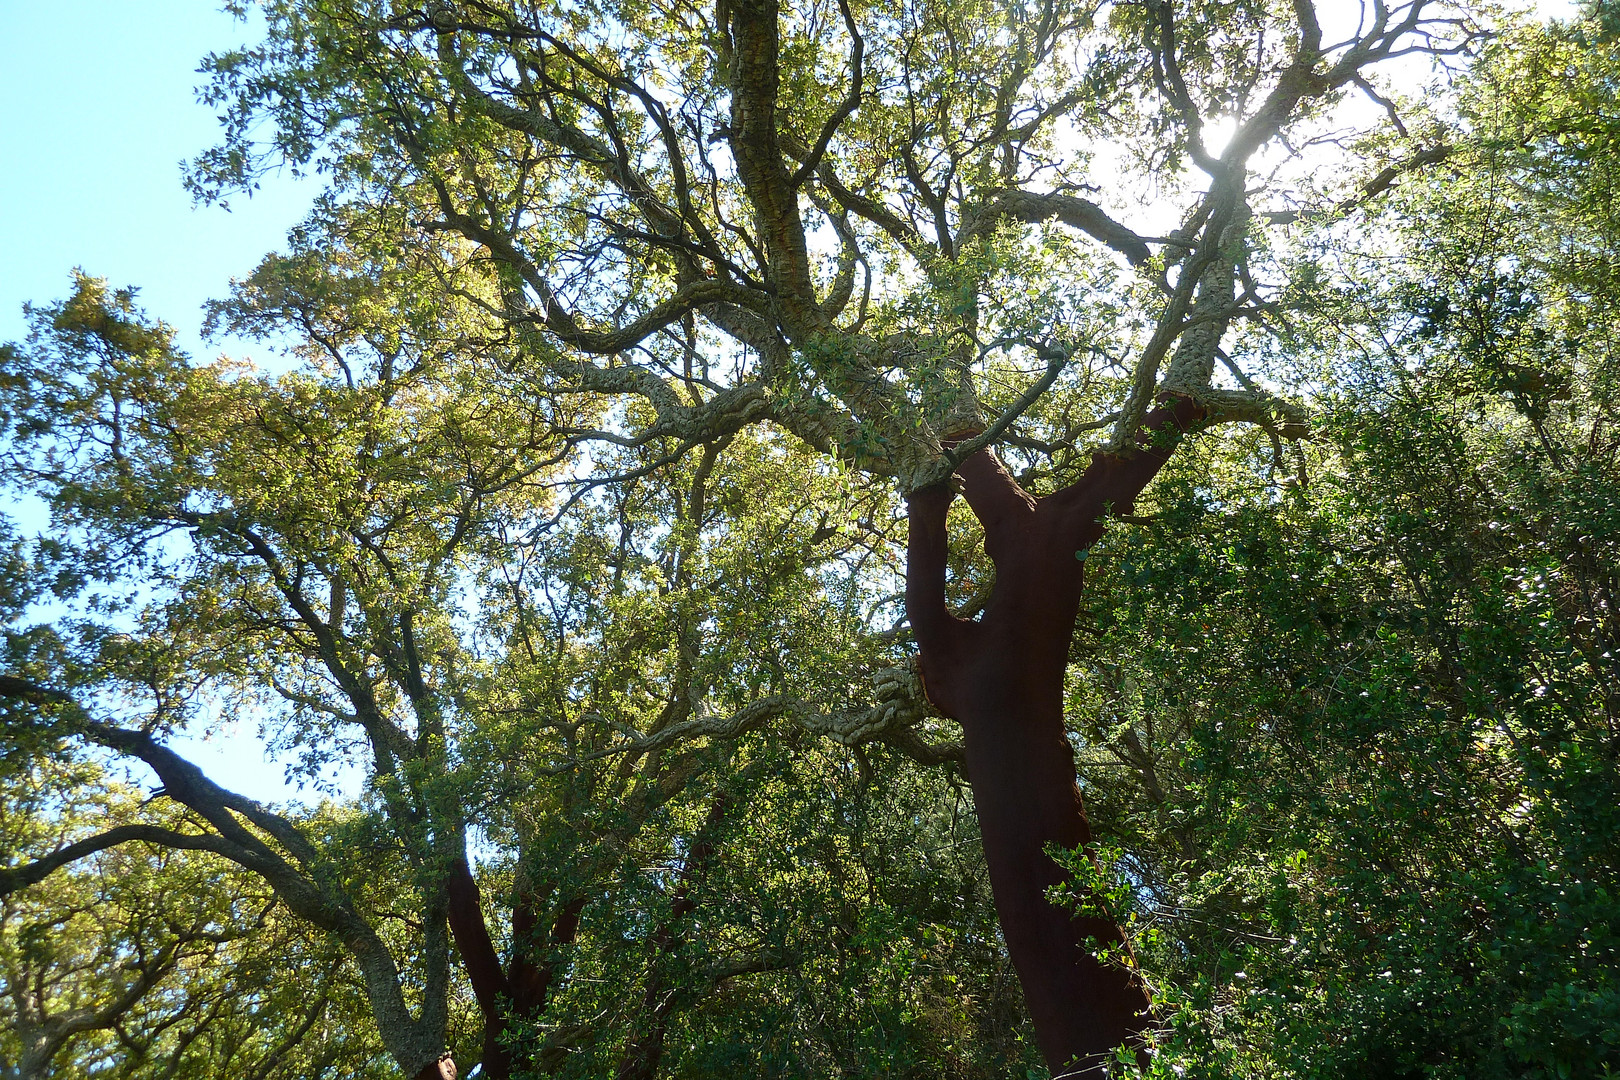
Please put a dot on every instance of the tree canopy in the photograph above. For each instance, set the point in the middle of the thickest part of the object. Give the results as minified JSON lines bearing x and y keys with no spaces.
{"x":1253,"y":711}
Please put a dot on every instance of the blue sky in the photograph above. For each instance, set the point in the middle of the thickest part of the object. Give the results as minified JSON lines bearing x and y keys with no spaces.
{"x":98,"y":110}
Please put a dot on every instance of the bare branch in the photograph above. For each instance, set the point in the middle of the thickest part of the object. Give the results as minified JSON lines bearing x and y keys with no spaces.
{"x":32,"y":692}
{"x":1254,"y":407}
{"x":1055,"y":359}
{"x":859,"y":205}
{"x":846,"y":108}
{"x":901,"y":705}
{"x":413,"y":1042}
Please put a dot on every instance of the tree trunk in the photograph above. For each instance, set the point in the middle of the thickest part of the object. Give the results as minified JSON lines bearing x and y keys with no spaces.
{"x":506,"y":997}
{"x":1001,"y":678}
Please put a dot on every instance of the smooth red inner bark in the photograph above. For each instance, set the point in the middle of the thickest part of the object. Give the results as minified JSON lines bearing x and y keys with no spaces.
{"x":520,"y":991}
{"x":1001,"y":677}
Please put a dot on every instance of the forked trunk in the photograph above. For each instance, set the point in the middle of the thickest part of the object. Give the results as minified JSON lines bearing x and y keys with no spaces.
{"x":507,"y":997}
{"x":1001,"y":678}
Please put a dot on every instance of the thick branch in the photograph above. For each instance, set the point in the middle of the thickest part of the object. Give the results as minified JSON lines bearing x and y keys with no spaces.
{"x":20,"y":877}
{"x":478,"y":956}
{"x":1193,"y":364}
{"x":1112,"y":481}
{"x":927,"y":557}
{"x":998,"y":501}
{"x":687,"y":298}
{"x":413,"y":1043}
{"x":755,"y":83}
{"x":1254,"y":407}
{"x":1224,"y":203}
{"x":25,"y":690}
{"x":1374,"y":187}
{"x":1034,"y":208}
{"x":908,"y":742}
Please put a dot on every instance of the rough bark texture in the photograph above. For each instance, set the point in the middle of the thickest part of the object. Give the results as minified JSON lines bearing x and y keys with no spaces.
{"x":1001,"y":678}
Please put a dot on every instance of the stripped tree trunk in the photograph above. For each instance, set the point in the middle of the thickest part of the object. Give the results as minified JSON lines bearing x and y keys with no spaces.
{"x":507,"y":997}
{"x":1001,"y":677}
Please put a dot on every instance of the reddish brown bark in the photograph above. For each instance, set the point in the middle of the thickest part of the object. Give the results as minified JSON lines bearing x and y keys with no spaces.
{"x":518,"y":992}
{"x":1001,"y":678}
{"x":478,"y":955}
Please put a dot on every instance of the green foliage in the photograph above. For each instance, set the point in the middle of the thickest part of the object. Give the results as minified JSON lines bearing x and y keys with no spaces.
{"x":1357,"y":739}
{"x":368,"y":546}
{"x":1348,"y":722}
{"x":143,"y":962}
